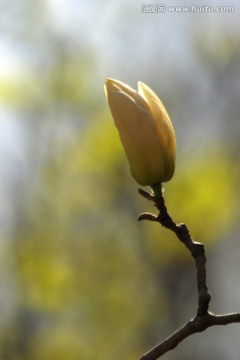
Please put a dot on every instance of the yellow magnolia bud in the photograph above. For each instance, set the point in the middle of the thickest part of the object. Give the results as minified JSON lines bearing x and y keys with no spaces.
{"x":145,"y":130}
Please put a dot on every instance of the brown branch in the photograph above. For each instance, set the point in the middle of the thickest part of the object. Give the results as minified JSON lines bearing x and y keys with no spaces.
{"x":203,"y":319}
{"x":198,"y":324}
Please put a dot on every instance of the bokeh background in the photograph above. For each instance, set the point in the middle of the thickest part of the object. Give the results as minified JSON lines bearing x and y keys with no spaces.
{"x":80,"y":278}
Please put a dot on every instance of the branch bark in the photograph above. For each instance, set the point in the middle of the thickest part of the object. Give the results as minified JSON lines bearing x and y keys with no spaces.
{"x":203,"y":319}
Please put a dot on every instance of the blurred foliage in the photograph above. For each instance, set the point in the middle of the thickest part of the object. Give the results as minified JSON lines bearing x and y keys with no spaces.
{"x":89,"y":281}
{"x":63,"y":81}
{"x":86,"y":268}
{"x":218,"y":50}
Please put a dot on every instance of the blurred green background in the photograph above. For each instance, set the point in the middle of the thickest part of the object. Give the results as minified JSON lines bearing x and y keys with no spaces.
{"x":80,"y":278}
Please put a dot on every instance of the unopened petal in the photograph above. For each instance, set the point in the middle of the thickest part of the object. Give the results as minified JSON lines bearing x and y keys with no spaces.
{"x":157,"y":108}
{"x":145,"y":131}
{"x":115,"y":85}
{"x":139,"y":137}
{"x":164,"y":125}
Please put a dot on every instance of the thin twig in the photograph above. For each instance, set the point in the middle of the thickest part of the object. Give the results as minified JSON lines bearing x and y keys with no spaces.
{"x":203,"y":319}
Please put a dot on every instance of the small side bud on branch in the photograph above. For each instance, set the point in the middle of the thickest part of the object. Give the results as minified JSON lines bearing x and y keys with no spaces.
{"x":147,"y":216}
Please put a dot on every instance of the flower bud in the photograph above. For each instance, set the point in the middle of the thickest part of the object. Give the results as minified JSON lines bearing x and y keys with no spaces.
{"x":145,"y":130}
